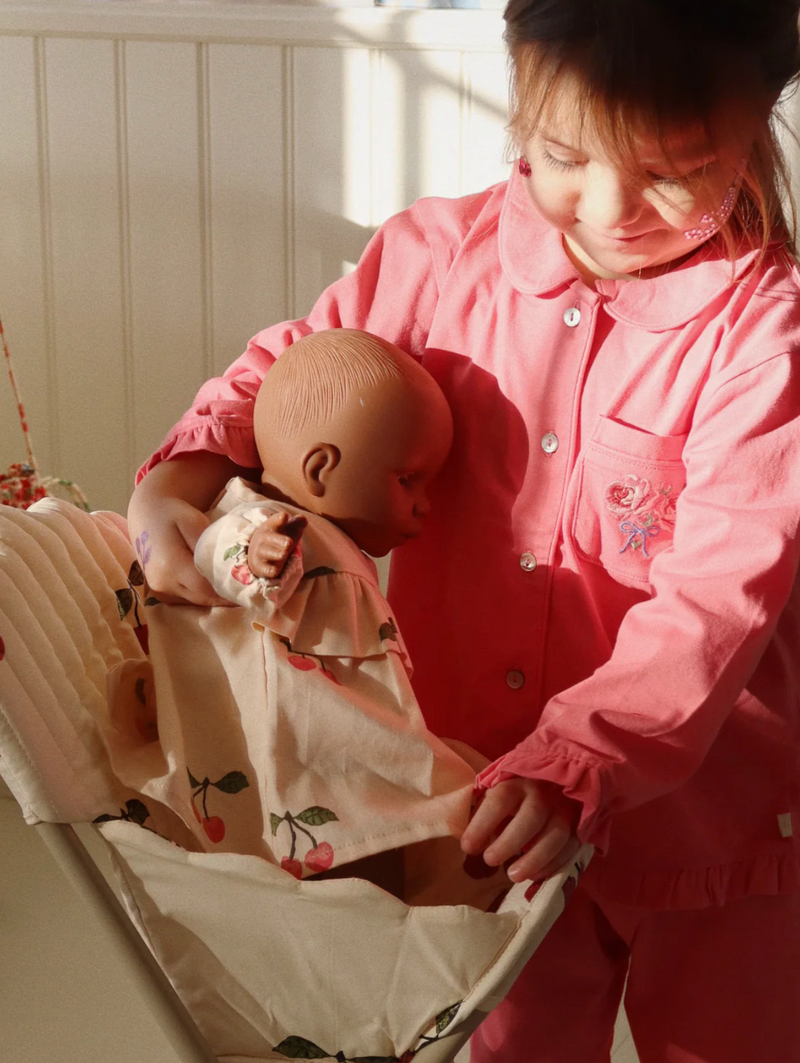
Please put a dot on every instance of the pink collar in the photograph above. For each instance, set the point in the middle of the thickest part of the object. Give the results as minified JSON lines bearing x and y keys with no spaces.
{"x":534,"y":261}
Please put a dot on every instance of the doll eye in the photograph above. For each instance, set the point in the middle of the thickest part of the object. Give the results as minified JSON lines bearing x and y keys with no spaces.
{"x":405,"y":479}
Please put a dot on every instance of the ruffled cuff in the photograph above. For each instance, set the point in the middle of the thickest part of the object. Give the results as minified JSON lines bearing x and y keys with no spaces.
{"x":579,"y":778}
{"x":217,"y":435}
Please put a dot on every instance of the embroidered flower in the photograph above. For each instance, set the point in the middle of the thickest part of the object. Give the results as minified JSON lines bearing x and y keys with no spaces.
{"x":625,"y":496}
{"x":646,"y":509}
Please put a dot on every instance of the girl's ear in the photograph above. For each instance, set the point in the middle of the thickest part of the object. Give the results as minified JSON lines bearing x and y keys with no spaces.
{"x":318,"y":464}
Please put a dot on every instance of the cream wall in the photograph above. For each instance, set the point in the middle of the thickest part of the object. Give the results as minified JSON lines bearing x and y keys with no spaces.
{"x":175,"y":176}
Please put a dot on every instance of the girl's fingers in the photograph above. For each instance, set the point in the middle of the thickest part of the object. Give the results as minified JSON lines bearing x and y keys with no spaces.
{"x":497,"y":805}
{"x":529,"y":822}
{"x":546,"y":856}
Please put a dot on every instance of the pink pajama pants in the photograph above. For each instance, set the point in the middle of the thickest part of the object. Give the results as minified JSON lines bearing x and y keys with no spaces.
{"x":717,"y":985}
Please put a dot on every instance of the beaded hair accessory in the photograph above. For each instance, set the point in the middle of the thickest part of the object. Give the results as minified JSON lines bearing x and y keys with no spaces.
{"x":524,"y":166}
{"x":713,"y":220}
{"x":20,"y":484}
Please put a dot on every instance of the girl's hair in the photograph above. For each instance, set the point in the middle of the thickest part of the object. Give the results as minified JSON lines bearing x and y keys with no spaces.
{"x":663,"y":65}
{"x":317,"y":376}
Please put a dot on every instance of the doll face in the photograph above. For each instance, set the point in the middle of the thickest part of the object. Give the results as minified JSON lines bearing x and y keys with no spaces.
{"x":378,"y":494}
{"x":619,"y":223}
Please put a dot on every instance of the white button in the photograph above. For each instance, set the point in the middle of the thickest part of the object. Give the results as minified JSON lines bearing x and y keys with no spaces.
{"x":528,"y":562}
{"x":572,"y":317}
{"x":515,"y":679}
{"x":549,"y":442}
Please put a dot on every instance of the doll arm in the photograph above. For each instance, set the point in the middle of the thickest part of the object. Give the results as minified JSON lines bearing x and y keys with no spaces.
{"x":223,"y":556}
{"x":643,"y":723}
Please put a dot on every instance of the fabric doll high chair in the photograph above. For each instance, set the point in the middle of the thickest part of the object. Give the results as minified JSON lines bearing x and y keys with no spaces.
{"x":237,"y":865}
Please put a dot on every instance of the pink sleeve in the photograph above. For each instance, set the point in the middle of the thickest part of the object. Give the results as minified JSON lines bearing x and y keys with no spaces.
{"x":391,"y":293}
{"x":642,"y":723}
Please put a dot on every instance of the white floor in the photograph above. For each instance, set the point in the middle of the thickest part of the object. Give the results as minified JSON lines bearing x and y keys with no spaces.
{"x":65,"y":997}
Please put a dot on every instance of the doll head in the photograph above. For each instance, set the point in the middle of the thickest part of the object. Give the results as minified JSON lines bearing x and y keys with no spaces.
{"x":353,"y":429}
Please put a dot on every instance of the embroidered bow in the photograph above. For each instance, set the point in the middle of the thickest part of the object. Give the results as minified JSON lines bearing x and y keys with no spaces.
{"x":634,"y":532}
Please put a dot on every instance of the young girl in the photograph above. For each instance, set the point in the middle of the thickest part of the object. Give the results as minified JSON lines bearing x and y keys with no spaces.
{"x":604,"y":598}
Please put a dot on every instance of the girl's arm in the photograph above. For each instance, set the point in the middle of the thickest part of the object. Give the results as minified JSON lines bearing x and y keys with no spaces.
{"x":166,"y":512}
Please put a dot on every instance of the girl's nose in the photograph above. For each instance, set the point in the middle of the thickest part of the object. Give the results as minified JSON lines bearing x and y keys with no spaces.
{"x":611,"y":201}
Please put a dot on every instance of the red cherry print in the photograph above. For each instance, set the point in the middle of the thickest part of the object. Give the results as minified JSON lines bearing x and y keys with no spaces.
{"x":407,"y":1057}
{"x":532,"y":890}
{"x":214,"y":828}
{"x":294,"y":867}
{"x":476,"y":867}
{"x":303,"y":663}
{"x":196,"y":813}
{"x":2,"y":649}
{"x":329,"y":675}
{"x":321,"y":858}
{"x":242,"y":573}
{"x":569,"y":888}
{"x":140,"y":631}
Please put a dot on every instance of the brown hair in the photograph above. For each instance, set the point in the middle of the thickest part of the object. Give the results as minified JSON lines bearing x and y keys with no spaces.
{"x":663,"y":65}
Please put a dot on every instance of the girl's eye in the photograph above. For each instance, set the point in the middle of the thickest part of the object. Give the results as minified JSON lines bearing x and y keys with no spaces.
{"x":555,"y":163}
{"x":670,"y":181}
{"x":404,"y":480}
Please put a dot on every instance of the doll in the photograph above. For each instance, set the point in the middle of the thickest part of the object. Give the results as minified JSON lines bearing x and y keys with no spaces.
{"x":310,"y":676}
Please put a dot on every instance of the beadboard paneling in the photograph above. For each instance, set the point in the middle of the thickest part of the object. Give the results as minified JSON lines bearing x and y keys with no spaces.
{"x":176,"y":177}
{"x":24,"y":294}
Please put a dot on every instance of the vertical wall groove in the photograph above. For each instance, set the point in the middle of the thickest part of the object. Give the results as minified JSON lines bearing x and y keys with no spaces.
{"x":204,"y":185}
{"x":464,"y":115}
{"x":124,"y":214}
{"x":289,"y":190}
{"x":46,"y":240}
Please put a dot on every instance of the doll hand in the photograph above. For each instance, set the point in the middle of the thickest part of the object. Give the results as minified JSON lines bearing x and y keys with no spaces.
{"x":272,"y":543}
{"x":529,"y":817}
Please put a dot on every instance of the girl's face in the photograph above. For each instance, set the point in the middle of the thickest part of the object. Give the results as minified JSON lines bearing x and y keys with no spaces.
{"x":618,"y":223}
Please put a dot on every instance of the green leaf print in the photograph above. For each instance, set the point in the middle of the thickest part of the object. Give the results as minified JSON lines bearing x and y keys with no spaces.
{"x":321,"y":570}
{"x":192,"y":781}
{"x":444,"y":1018}
{"x":276,"y":822}
{"x":299,"y":1048}
{"x":136,"y":576}
{"x":124,"y":602}
{"x":232,"y":783}
{"x":137,"y":811}
{"x":232,"y":551}
{"x":316,"y":816}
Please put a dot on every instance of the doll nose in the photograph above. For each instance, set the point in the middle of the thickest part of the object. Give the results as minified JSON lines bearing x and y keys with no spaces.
{"x":421,"y":505}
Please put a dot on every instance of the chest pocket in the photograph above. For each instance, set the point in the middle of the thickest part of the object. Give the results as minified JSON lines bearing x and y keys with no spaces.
{"x":628,"y":485}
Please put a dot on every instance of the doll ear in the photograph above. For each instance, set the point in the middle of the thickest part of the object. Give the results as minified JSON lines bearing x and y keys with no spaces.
{"x":318,"y":464}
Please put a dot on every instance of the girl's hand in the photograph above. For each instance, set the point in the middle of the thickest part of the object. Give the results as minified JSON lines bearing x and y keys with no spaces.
{"x":528,"y":817}
{"x":272,"y":542}
{"x":166,"y":518}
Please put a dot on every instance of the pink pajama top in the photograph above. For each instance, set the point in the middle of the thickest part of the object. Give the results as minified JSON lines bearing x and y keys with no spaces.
{"x":604,"y":594}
